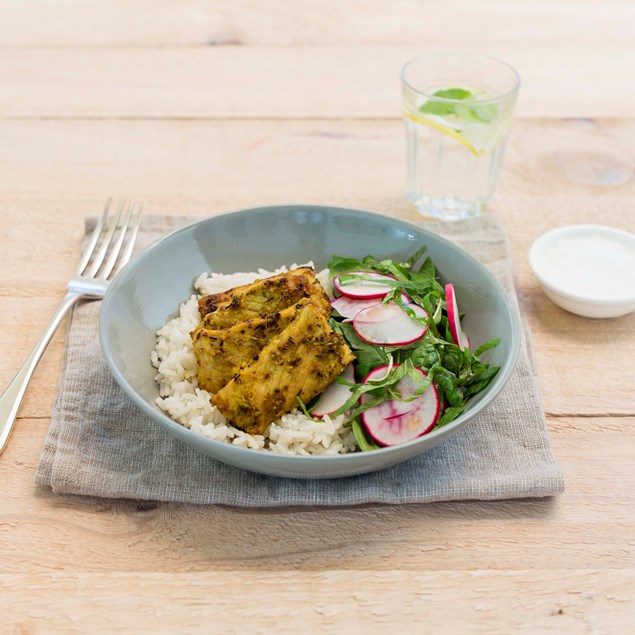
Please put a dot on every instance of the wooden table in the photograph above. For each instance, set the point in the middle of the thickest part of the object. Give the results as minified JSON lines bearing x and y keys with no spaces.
{"x":198,"y":107}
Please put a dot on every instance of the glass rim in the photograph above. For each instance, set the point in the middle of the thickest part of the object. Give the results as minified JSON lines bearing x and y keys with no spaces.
{"x":489,"y":58}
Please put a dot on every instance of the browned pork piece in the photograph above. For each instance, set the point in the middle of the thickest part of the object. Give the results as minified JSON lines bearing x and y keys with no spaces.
{"x":299,"y":362}
{"x":262,"y":297}
{"x":221,"y":352}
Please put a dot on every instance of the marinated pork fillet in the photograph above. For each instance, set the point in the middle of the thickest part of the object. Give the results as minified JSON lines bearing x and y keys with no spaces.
{"x":299,"y":362}
{"x":261,"y":298}
{"x":221,"y":352}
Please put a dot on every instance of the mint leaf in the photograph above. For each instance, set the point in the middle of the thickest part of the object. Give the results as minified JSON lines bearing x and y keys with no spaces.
{"x":440,"y":108}
{"x":475,"y":112}
{"x":436,"y":108}
{"x":452,"y":93}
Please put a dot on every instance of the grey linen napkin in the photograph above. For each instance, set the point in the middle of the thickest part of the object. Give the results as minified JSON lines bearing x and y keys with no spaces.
{"x":99,"y":444}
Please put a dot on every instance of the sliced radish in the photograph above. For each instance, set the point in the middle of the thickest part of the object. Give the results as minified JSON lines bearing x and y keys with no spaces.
{"x":335,"y":395}
{"x":363,"y":289}
{"x":389,"y":325}
{"x":459,"y":337}
{"x":395,"y":421}
{"x":350,"y":307}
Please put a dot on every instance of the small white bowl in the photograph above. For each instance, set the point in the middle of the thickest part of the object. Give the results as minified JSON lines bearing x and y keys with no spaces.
{"x":588,"y":270}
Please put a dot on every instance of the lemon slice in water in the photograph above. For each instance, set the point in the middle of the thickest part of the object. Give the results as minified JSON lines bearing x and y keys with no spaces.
{"x":441,"y":128}
{"x":478,"y":139}
{"x":462,"y":113}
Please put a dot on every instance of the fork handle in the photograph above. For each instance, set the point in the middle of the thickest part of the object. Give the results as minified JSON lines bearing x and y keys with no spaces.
{"x":12,"y":396}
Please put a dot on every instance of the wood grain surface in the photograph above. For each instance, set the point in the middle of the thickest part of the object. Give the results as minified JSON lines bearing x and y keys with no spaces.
{"x":266,"y":82}
{"x":199,"y":107}
{"x":425,"y":23}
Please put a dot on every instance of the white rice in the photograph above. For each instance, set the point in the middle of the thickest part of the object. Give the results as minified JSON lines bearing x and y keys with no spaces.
{"x":186,"y":403}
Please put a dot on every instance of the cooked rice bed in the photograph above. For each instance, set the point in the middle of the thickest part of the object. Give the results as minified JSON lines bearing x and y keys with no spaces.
{"x":187,"y":404}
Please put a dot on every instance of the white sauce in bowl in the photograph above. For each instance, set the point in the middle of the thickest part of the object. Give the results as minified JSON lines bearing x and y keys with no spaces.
{"x":591,"y":266}
{"x":588,"y":270}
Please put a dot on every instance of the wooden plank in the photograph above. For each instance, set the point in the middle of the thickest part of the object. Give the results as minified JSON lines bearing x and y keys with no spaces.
{"x":587,"y":527}
{"x":293,"y":82}
{"x":203,"y":166}
{"x":426,"y":23}
{"x":338,"y":601}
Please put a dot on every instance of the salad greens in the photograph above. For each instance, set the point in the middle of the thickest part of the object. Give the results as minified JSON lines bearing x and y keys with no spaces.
{"x":457,"y":374}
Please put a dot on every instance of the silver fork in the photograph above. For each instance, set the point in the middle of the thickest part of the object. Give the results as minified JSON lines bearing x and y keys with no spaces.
{"x":109,"y":249}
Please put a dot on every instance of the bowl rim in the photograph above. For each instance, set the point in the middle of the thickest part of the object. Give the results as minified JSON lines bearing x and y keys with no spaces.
{"x":293,"y":460}
{"x":535,"y":254}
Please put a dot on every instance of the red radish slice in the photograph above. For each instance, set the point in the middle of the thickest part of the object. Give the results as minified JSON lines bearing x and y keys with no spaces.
{"x":335,"y":395}
{"x":459,"y":337}
{"x":394,"y":422}
{"x":363,"y":289}
{"x":349,"y":307}
{"x":389,"y":325}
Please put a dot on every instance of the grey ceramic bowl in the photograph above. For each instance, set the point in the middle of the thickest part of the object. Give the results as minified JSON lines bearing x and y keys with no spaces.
{"x":149,"y":290}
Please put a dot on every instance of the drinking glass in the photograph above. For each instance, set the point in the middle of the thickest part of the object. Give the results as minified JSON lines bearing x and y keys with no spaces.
{"x":457,"y":110}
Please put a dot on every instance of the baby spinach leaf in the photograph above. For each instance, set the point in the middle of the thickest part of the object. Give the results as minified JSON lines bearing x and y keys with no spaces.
{"x":368,"y":360}
{"x":445,"y":382}
{"x":304,"y":409}
{"x":365,"y":443}
{"x":427,"y":271}
{"x":486,"y":347}
{"x":425,"y":356}
{"x":452,"y":359}
{"x":339,"y":264}
{"x":449,"y":415}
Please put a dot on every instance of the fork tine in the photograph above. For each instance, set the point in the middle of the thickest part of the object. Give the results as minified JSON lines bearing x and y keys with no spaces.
{"x":134,"y":230}
{"x":118,"y":242}
{"x":88,"y":252}
{"x":103,"y":248}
